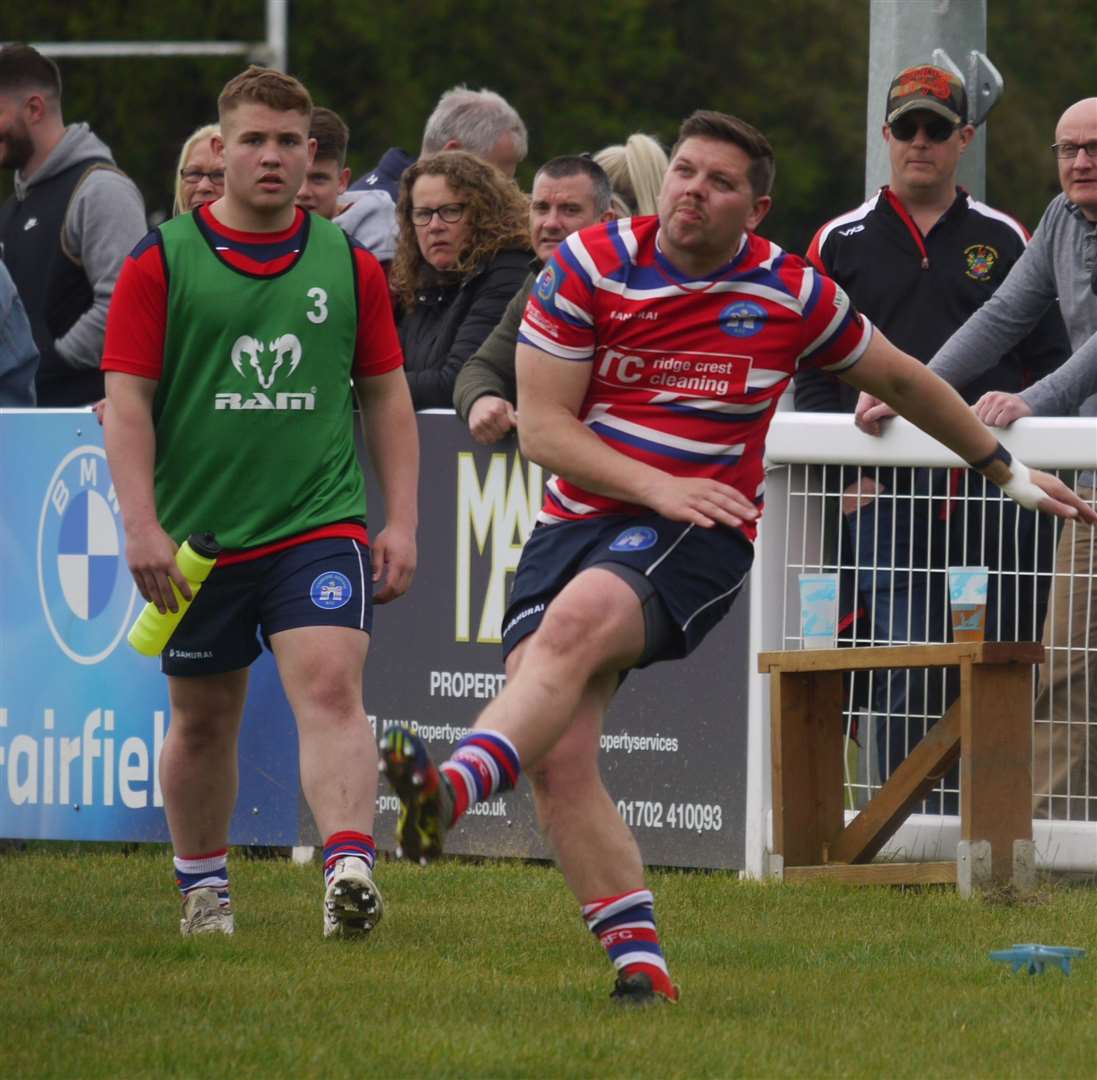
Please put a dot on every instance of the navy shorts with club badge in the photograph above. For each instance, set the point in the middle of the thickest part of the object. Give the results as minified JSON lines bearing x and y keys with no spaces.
{"x":324,"y":582}
{"x":685,"y":577}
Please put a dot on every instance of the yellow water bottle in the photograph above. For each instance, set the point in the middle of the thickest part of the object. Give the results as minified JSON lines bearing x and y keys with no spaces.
{"x":152,"y":630}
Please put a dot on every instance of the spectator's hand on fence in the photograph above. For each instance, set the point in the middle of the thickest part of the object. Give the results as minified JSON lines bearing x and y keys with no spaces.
{"x":150,"y":553}
{"x":491,"y":418}
{"x":999,"y":409}
{"x":1061,"y":498}
{"x":869,"y":412}
{"x":99,"y":408}
{"x":393,"y":557}
{"x":700,"y":501}
{"x":859,"y":494}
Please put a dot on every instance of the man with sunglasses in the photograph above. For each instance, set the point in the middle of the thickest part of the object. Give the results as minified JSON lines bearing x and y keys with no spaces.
{"x":918,"y":258}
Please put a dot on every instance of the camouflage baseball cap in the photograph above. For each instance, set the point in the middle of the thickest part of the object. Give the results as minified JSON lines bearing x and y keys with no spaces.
{"x":930,"y":88}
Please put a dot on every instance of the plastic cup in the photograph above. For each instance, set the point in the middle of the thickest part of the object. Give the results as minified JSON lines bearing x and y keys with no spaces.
{"x":967,"y":595}
{"x":818,"y":610}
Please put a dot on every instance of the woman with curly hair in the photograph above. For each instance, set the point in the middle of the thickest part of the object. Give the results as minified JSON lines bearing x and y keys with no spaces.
{"x":463,"y":252}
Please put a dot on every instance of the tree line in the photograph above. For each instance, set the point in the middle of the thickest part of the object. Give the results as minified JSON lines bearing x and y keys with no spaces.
{"x":582,"y":77}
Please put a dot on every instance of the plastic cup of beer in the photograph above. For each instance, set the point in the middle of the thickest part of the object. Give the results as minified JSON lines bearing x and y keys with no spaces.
{"x":967,"y":595}
{"x":818,"y":610}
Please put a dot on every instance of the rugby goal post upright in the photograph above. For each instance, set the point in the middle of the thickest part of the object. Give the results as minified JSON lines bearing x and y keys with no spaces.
{"x":270,"y":52}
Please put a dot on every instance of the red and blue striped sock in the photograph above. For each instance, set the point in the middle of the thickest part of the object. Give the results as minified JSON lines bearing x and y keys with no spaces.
{"x":208,"y":871}
{"x":625,"y":925}
{"x":346,"y":844}
{"x":484,"y":764}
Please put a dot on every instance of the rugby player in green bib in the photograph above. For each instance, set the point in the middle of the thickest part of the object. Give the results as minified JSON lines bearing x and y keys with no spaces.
{"x":237,"y":338}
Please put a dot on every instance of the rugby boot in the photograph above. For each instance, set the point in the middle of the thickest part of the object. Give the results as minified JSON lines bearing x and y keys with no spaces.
{"x":426,"y":796}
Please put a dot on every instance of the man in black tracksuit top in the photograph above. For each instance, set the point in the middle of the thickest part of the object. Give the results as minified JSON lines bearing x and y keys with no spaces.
{"x":917,"y":259}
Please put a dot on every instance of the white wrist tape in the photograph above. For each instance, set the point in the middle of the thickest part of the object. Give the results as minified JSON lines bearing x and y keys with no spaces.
{"x":1020,"y":488}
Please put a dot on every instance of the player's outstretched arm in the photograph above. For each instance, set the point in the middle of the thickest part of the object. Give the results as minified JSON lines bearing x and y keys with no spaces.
{"x":393,"y":440}
{"x":550,"y":394}
{"x":130,"y":440}
{"x":927,"y":401}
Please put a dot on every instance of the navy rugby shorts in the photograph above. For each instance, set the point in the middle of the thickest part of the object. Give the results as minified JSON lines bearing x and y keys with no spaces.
{"x":685,"y":577}
{"x":324,"y":582}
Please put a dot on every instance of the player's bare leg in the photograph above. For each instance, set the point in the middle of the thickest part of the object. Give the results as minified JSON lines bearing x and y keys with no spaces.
{"x":321,"y":670}
{"x":199,"y":781}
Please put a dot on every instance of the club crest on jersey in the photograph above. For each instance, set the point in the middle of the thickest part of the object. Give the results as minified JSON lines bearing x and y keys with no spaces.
{"x":268,"y":360}
{"x":980,"y":260}
{"x":744,"y":318}
{"x":330,"y":590}
{"x":637,"y":538}
{"x":547,"y":284}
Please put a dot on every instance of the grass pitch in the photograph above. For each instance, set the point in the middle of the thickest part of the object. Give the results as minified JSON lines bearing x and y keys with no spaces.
{"x":486,"y":970}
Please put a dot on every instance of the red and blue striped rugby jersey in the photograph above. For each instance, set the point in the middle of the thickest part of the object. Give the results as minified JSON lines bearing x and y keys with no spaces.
{"x":685,"y":373}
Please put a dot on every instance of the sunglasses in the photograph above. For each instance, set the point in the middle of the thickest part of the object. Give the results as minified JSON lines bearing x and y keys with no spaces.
{"x":937,"y":128}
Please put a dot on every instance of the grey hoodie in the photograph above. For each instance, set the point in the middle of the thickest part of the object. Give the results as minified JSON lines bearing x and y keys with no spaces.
{"x":370,"y":218}
{"x":104,"y":222}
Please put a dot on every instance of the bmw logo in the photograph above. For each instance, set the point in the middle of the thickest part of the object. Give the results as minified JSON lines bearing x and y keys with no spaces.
{"x":84,"y":585}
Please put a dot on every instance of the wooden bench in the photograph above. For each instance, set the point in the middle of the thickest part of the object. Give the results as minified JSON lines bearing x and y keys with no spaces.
{"x":989,"y":727}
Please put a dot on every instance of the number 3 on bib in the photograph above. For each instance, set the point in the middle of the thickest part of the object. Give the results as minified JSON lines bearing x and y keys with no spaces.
{"x":320,"y":299}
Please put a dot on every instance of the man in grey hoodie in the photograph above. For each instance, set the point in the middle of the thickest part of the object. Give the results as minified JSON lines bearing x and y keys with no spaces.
{"x":64,"y":233}
{"x":1060,"y":263}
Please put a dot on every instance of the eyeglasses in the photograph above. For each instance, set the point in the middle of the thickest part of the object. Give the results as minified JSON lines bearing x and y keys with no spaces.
{"x":194,"y":176}
{"x":1068,"y":151}
{"x":451,"y":212}
{"x":937,"y":128}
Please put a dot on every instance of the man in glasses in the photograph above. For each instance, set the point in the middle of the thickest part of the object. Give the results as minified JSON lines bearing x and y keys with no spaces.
{"x":917,"y":259}
{"x":1060,"y":264}
{"x":66,"y":230}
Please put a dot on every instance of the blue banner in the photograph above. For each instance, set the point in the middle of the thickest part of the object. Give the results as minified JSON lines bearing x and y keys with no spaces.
{"x":82,"y":716}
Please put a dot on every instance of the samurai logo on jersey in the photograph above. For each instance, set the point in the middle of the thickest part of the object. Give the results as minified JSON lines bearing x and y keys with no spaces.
{"x":980,"y":261}
{"x":267,"y":360}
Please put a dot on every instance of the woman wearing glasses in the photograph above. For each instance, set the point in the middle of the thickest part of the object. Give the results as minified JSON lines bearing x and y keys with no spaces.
{"x":200,"y":177}
{"x":463,"y":252}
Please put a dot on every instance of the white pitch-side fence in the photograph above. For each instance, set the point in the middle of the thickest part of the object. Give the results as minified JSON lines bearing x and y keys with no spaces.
{"x":810,"y":459}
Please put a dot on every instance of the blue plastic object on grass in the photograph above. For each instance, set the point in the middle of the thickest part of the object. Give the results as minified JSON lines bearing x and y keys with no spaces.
{"x":1034,"y":957}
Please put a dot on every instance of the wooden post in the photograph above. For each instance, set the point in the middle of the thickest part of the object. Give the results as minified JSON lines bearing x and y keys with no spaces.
{"x":807,"y":765}
{"x":996,"y":759}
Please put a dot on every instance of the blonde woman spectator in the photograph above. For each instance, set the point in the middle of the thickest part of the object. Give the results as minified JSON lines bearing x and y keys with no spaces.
{"x":200,"y":177}
{"x":635,"y":172}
